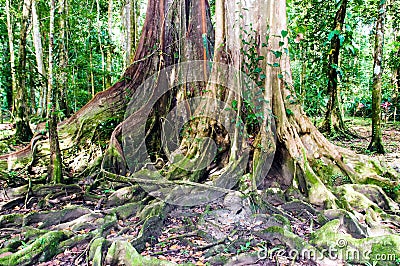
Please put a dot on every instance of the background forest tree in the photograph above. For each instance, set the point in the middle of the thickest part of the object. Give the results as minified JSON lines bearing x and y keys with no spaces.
{"x":84,"y":42}
{"x":74,"y":71}
{"x":101,"y":28}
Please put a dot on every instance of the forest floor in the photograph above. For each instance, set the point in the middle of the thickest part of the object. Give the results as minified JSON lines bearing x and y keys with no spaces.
{"x":204,"y":235}
{"x":362,"y":128}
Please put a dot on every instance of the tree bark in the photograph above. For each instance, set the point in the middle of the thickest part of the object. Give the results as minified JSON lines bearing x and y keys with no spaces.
{"x":1,"y":107}
{"x":32,"y":93}
{"x":395,"y":97}
{"x":174,"y":31}
{"x":334,"y":122}
{"x":376,"y":144}
{"x":299,"y":144}
{"x":11,"y":47}
{"x":37,"y":42}
{"x":110,"y":44}
{"x":98,"y":26}
{"x":23,"y":130}
{"x":130,"y":27}
{"x":55,"y":167}
{"x":304,"y":160}
{"x":396,"y":79}
{"x":63,"y":57}
{"x":156,"y":48}
{"x":133,"y":29}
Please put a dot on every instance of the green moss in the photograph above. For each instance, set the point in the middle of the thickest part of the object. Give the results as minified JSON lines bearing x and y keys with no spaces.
{"x":385,"y":252}
{"x":13,"y":244}
{"x":97,"y":258}
{"x":133,"y":258}
{"x":218,"y":260}
{"x":275,"y":230}
{"x":292,"y":241}
{"x":100,"y":242}
{"x":323,"y":169}
{"x":108,"y":221}
{"x":366,"y":250}
{"x":285,"y":221}
{"x":112,"y":255}
{"x":33,"y":233}
{"x":318,"y":194}
{"x":5,"y":250}
{"x":42,"y":249}
{"x":378,"y":169}
{"x":351,"y":199}
{"x":75,"y":240}
{"x":155,"y":209}
{"x":127,"y":210}
{"x":11,"y":219}
{"x":57,"y":170}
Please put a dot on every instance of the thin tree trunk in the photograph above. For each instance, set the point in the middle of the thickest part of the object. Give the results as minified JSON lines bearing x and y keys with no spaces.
{"x":334,"y":121}
{"x":110,"y":44}
{"x":395,"y":97}
{"x":132,"y":31}
{"x":23,"y":130}
{"x":302,"y":80}
{"x":2,"y":98}
{"x":129,"y":12}
{"x":33,"y":106}
{"x":397,"y":88}
{"x":129,"y":15}
{"x":63,"y":84}
{"x":91,"y":71}
{"x":55,"y":167}
{"x":376,"y":144}
{"x":396,"y":81}
{"x":37,"y":42}
{"x":98,"y":25}
{"x":11,"y":47}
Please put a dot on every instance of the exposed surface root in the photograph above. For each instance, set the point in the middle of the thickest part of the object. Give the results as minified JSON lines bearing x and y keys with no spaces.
{"x":130,"y":227}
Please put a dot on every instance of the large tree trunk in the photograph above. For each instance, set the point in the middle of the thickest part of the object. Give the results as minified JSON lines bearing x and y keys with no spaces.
{"x":376,"y":144}
{"x":334,"y":122}
{"x":83,"y":126}
{"x":23,"y":130}
{"x":304,"y":156}
{"x":253,"y":44}
{"x":304,"y":159}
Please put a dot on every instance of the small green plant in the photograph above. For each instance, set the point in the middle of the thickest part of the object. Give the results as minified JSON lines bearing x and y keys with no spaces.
{"x":12,"y":174}
{"x":244,"y":248}
{"x":252,"y":66}
{"x":338,"y":179}
{"x":184,"y":252}
{"x":108,"y":191}
{"x":24,"y":245}
{"x":391,"y":189}
{"x":207,"y":210}
{"x":152,"y":240}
